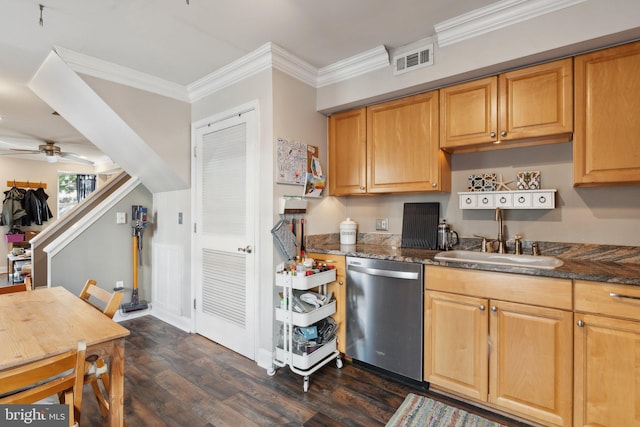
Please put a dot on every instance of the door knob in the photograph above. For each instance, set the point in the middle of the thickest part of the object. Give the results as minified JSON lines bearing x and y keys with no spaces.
{"x":247,"y":249}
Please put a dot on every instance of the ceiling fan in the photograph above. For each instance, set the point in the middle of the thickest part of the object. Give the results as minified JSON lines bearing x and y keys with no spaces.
{"x":52,"y":152}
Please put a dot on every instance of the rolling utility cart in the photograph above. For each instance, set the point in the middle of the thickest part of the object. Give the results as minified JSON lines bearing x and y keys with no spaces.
{"x":304,"y":358}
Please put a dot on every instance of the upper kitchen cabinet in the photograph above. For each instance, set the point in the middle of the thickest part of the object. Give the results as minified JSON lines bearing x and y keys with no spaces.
{"x":607,"y":90}
{"x":348,"y":152}
{"x":394,"y":149}
{"x":529,"y":106}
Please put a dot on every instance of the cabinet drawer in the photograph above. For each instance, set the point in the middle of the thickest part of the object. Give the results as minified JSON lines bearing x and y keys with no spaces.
{"x":606,"y":298}
{"x":468,"y":201}
{"x":504,"y":200}
{"x":542,"y":291}
{"x":523,"y":200}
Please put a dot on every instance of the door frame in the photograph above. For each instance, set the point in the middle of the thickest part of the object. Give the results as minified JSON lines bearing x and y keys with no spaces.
{"x":196,"y":258}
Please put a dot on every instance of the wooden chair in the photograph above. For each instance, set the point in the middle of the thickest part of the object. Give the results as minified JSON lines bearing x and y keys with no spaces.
{"x":13,"y":288}
{"x":57,"y":375}
{"x":96,"y":369}
{"x":105,"y":301}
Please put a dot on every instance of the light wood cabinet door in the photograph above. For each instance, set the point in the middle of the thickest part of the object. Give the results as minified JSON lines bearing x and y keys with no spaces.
{"x":529,"y":106}
{"x":403,"y":153}
{"x":339,"y":289}
{"x":537,"y":101}
{"x":606,"y":372}
{"x":348,"y":152}
{"x":531,"y":360}
{"x":456,"y":343}
{"x":607,"y":103}
{"x":469,"y":113}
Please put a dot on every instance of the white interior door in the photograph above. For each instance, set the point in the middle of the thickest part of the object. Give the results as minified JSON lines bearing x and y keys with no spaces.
{"x":226,"y":161}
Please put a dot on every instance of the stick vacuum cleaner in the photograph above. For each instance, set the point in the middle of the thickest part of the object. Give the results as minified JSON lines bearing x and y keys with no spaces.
{"x":138,"y":224}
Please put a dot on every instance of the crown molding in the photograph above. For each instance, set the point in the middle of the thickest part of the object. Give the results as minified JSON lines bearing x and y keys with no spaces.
{"x":269,"y":55}
{"x":495,"y":16}
{"x":368,"y":61}
{"x":99,"y":68}
{"x":266,"y":56}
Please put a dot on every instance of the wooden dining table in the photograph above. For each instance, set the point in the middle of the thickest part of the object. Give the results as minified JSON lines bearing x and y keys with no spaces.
{"x":38,"y":324}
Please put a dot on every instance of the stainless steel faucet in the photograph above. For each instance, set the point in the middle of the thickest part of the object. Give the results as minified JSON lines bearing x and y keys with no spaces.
{"x":501,"y":242}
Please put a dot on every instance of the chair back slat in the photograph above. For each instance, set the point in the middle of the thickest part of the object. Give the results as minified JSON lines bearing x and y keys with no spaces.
{"x":109,"y":301}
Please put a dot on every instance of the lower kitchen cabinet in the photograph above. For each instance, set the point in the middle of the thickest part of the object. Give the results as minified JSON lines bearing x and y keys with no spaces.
{"x":606,"y":355}
{"x":488,"y":338}
{"x":339,"y":290}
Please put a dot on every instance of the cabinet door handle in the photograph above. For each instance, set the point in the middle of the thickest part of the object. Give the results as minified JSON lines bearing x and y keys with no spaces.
{"x":340,"y":282}
{"x":494,"y":308}
{"x":362,"y":187}
{"x":434,"y":185}
{"x":580,"y":323}
{"x":542,"y":199}
{"x":614,"y":295}
{"x":492,"y":134}
{"x":503,"y":133}
{"x":482,"y":307}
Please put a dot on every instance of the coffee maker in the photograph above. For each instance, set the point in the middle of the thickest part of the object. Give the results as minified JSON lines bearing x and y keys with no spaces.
{"x":447,"y":238}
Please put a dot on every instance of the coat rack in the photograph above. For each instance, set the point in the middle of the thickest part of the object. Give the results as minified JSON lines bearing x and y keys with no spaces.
{"x":26,"y":184}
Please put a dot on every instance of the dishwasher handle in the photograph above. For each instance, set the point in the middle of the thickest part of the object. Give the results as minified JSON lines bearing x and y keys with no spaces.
{"x":384,"y":273}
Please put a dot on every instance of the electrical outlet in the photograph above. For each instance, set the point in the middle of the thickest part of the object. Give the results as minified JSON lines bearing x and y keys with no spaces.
{"x":382,"y":224}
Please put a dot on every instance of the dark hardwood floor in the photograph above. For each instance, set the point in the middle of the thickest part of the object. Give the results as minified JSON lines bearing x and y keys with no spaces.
{"x":173,"y":378}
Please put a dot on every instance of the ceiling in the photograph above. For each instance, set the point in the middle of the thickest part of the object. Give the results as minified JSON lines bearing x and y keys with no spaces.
{"x":181,"y":41}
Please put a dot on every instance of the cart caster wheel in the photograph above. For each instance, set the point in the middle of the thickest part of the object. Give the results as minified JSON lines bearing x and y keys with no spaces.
{"x":271,"y":371}
{"x":339,"y":364}
{"x":306,"y":384}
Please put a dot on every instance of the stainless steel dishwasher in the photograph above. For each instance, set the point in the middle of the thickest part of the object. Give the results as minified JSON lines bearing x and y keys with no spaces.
{"x":385,"y":315}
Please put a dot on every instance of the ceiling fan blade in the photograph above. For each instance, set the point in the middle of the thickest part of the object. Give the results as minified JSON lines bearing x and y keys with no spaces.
{"x":75,"y":158}
{"x":21,"y":151}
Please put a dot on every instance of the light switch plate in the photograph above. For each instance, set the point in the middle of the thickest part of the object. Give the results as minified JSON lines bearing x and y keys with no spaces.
{"x":121,"y":217}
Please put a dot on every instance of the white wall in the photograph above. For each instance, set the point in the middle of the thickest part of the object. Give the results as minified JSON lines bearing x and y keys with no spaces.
{"x":167,"y":231}
{"x":162,"y":122}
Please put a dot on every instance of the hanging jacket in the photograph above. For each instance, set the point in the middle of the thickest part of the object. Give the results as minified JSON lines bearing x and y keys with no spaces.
{"x":12,"y":210}
{"x":33,"y":207}
{"x":43,"y":196}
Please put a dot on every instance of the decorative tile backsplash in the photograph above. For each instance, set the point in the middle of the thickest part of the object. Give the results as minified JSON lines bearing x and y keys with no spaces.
{"x":482,"y":182}
{"x":528,"y":180}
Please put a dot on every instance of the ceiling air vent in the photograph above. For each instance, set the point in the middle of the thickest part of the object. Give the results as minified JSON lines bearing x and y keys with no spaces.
{"x":413,"y":60}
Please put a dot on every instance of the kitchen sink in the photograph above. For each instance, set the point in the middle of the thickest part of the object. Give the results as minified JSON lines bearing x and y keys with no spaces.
{"x":529,"y":261}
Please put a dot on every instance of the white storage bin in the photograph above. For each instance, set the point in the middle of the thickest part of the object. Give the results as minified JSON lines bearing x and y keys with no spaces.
{"x":306,"y":319}
{"x":302,"y":282}
{"x":307,"y":361}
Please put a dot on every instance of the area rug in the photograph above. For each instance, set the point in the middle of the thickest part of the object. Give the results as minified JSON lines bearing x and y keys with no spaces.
{"x":420,"y":411}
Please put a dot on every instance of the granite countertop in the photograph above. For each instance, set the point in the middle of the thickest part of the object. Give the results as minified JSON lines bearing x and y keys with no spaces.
{"x":588,"y":262}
